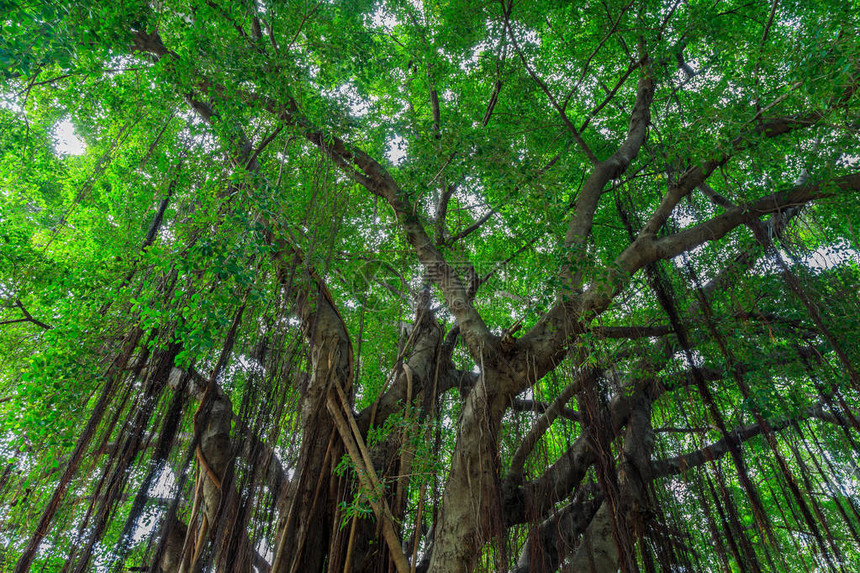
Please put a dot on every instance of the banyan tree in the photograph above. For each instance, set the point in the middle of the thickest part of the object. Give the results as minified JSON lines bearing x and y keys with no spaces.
{"x":429,"y":285}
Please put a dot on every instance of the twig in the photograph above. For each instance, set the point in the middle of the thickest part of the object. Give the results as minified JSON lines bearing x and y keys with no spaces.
{"x":27,"y":317}
{"x":302,"y":24}
{"x":262,"y":146}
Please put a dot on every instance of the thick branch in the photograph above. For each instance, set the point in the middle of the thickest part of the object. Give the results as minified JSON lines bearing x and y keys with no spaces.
{"x":631,"y":332}
{"x":276,"y":476}
{"x":681,"y":464}
{"x":580,"y":224}
{"x":369,"y":173}
{"x":544,"y":344}
{"x":524,"y":405}
{"x":696,"y":176}
{"x":551,"y":540}
{"x":379,"y":182}
{"x":515,"y":473}
{"x":717,"y":227}
{"x":27,"y":318}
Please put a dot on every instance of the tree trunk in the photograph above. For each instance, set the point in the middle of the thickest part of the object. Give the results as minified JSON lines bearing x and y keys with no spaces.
{"x":597,"y":553}
{"x":470,"y":505}
{"x":304,"y":538}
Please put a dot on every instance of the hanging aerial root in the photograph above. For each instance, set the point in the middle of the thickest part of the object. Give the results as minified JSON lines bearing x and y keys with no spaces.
{"x":357,"y":450}
{"x":210,"y":473}
{"x":113,"y":376}
{"x":317,"y":490}
{"x":188,"y":548}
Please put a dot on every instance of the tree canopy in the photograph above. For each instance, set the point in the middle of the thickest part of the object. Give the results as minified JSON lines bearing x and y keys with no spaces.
{"x":429,"y":285}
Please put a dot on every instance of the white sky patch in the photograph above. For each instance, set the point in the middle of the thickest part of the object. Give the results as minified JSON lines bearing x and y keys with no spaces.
{"x":684,"y":216}
{"x":265,"y":550}
{"x":831,"y":256}
{"x":66,"y":141}
{"x":9,"y":101}
{"x":251,"y":365}
{"x":849,"y":161}
{"x":470,"y":195}
{"x":396,"y":149}
{"x":821,"y":259}
{"x":525,"y":36}
{"x":471,"y":62}
{"x":164,"y":485}
{"x":357,"y":105}
{"x":680,"y":261}
{"x":697,"y":359}
{"x":150,"y":519}
{"x":382,"y":18}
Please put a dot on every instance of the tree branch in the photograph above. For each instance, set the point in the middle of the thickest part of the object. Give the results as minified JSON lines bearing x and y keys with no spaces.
{"x":697,"y":175}
{"x":681,"y":464}
{"x":27,"y":318}
{"x":536,"y":406}
{"x":631,"y":332}
{"x":369,"y":173}
{"x":542,"y":424}
{"x":576,"y":135}
{"x":717,"y":227}
{"x":579,"y":227}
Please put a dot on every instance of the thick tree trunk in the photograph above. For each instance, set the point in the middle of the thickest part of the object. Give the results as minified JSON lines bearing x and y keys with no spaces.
{"x":217,"y":450}
{"x":597,"y":553}
{"x":304,"y":540}
{"x":551,"y":541}
{"x":470,"y":506}
{"x":216,"y":497}
{"x":172,"y":555}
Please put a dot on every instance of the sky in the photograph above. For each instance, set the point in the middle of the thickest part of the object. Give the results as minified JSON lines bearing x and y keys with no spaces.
{"x":66,"y":141}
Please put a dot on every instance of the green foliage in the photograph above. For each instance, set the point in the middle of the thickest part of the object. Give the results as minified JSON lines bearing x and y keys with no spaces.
{"x":77,"y":273}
